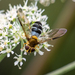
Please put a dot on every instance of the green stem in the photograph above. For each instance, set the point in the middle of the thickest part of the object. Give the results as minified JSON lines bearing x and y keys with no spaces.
{"x":22,"y":42}
{"x":63,"y":70}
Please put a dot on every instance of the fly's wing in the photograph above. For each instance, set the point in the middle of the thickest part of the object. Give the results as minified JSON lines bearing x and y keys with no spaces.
{"x":57,"y":33}
{"x":22,"y":17}
{"x":54,"y":34}
{"x":23,"y":22}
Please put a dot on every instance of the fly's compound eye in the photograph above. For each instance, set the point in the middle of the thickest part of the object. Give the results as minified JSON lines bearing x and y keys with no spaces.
{"x":26,"y":47}
{"x":33,"y":49}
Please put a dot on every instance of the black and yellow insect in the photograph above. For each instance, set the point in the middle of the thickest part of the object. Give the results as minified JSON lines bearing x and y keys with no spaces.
{"x":35,"y":31}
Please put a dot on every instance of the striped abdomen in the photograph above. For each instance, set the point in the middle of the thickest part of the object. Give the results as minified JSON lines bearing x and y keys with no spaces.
{"x":36,"y":29}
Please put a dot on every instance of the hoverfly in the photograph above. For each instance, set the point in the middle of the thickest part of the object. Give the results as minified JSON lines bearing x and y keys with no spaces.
{"x":35,"y":31}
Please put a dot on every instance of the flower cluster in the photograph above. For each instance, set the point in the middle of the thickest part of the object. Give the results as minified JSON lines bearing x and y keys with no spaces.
{"x":73,"y":0}
{"x":46,"y":2}
{"x":11,"y":32}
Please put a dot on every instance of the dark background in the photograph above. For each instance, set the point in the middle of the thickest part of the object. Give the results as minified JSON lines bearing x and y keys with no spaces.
{"x":60,"y":15}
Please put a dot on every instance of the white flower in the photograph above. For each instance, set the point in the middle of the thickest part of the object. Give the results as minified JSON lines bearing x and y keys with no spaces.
{"x":1,"y":11}
{"x":16,"y":40}
{"x":19,"y":61}
{"x":11,"y":32}
{"x":52,"y":1}
{"x":11,"y":12}
{"x":3,"y":20}
{"x":8,"y":51}
{"x":39,"y":51}
{"x":25,"y":53}
{"x":45,"y":2}
{"x":1,"y":47}
{"x":6,"y":41}
{"x":73,"y":0}
{"x":46,"y":45}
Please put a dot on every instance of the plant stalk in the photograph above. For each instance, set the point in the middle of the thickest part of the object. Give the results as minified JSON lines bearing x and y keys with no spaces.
{"x":64,"y":69}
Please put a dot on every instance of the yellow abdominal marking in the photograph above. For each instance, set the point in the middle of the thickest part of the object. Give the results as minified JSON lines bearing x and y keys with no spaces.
{"x":35,"y":37}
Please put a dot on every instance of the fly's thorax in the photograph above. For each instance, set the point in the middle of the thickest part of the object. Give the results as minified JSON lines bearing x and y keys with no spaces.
{"x":36,"y":28}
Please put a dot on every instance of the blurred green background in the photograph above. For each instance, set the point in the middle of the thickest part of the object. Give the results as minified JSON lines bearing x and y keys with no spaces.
{"x":60,"y":15}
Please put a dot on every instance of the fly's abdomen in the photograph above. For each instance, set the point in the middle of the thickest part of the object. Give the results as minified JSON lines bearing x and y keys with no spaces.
{"x":36,"y":29}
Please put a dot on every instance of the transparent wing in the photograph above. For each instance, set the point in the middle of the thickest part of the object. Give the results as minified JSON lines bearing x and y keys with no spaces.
{"x":54,"y":34}
{"x":24,"y":22}
{"x":57,"y":33}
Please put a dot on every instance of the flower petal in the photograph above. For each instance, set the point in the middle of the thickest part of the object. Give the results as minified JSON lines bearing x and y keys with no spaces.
{"x":3,"y":51}
{"x":24,"y":59}
{"x":16,"y":63}
{"x":12,"y":52}
{"x":47,"y":49}
{"x":15,"y":57}
{"x":21,"y":63}
{"x":34,"y":53}
{"x":40,"y":52}
{"x":25,"y":53}
{"x":8,"y":54}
